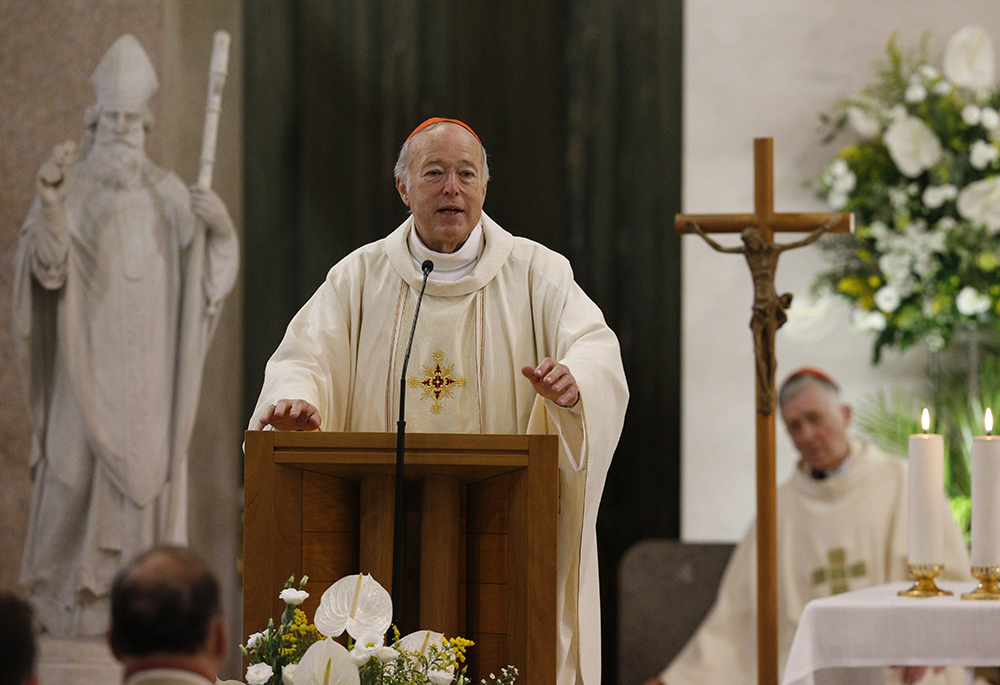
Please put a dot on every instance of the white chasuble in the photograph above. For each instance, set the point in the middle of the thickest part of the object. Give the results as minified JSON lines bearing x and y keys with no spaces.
{"x":343,"y":353}
{"x":443,"y":376}
{"x":845,"y":532}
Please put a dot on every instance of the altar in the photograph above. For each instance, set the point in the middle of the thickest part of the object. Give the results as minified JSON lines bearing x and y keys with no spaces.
{"x":850,"y":638}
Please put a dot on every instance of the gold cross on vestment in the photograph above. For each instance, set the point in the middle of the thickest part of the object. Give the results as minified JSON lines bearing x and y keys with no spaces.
{"x":761,"y":252}
{"x":839,"y":572}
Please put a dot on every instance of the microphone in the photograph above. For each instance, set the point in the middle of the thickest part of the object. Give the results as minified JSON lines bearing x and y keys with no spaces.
{"x":397,"y":533}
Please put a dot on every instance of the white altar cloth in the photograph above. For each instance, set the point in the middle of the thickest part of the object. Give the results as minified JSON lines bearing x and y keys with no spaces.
{"x":850,"y":638}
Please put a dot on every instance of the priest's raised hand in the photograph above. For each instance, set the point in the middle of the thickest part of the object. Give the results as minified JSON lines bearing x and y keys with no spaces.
{"x":553,"y":381}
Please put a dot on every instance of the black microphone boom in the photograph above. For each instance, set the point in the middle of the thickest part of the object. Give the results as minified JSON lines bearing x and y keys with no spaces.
{"x":397,"y":533}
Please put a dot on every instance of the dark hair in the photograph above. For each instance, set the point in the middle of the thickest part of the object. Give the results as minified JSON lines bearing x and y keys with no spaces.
{"x":17,"y":634}
{"x":164,"y":601}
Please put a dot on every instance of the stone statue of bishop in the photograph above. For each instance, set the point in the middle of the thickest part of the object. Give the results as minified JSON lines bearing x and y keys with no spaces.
{"x":120,"y":273}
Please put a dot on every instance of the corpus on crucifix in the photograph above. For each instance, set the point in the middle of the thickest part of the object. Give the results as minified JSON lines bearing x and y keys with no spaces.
{"x":761,"y":252}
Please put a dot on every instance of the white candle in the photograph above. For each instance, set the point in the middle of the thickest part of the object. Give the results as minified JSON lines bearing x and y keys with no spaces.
{"x":926,"y":497}
{"x":986,"y":497}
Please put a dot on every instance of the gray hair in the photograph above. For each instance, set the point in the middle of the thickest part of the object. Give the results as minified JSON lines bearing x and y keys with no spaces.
{"x":800,"y":380}
{"x":402,"y":168}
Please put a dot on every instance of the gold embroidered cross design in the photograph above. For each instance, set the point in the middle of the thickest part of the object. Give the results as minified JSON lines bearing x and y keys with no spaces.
{"x":438,"y":382}
{"x":839,"y":571}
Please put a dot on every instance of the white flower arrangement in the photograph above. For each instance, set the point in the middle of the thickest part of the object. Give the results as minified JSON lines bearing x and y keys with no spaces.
{"x":923,"y":180}
{"x":299,"y":653}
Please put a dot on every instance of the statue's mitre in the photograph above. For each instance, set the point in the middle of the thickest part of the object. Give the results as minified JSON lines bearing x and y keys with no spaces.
{"x":124,"y":78}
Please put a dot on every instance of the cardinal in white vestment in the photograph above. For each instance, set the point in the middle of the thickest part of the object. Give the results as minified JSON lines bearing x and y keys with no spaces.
{"x":841,"y":526}
{"x":506,"y":342}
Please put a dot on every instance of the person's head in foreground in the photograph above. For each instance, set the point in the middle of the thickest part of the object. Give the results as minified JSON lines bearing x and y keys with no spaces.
{"x":17,"y":635}
{"x":816,"y":419}
{"x":165,"y":613}
{"x":441,"y":175}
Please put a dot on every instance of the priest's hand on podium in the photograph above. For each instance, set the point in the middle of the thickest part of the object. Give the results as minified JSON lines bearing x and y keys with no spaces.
{"x":553,"y":381}
{"x":290,"y":415}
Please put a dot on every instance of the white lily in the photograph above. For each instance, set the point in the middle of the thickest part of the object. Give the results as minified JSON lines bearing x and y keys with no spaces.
{"x":912,"y":145}
{"x":968,"y":59}
{"x":979,"y":202}
{"x":357,"y":604}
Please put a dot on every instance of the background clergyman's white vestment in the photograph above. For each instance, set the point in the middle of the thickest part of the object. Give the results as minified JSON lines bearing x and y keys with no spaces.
{"x":846,"y":532}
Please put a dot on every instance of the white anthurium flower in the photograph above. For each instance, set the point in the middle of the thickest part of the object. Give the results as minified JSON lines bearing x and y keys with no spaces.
{"x":887,"y":299}
{"x":971,"y":302}
{"x":327,"y":662}
{"x":982,"y":154}
{"x":258,"y":674}
{"x":863,"y":121}
{"x":288,"y":674}
{"x":915,"y":92}
{"x":293,"y":596}
{"x":355,"y":603}
{"x":979,"y":202}
{"x":972,"y":115}
{"x":912,"y":146}
{"x":990,"y":119}
{"x":968,"y":58}
{"x":421,"y":642}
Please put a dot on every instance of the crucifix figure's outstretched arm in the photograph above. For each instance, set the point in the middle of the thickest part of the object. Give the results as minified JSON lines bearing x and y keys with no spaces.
{"x":708,"y":239}
{"x":811,"y":238}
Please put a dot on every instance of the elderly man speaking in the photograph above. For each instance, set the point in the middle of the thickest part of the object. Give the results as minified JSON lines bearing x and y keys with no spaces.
{"x":526,"y":351}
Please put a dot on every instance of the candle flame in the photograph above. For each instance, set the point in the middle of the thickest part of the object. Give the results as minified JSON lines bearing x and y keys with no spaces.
{"x":925,"y":420}
{"x":988,"y":421}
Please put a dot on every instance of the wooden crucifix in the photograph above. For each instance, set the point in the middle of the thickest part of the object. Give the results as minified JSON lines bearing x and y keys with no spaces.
{"x":757,"y":233}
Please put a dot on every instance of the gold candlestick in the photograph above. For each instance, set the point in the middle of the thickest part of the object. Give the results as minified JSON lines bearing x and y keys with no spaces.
{"x":924,"y":585}
{"x":988,"y":587}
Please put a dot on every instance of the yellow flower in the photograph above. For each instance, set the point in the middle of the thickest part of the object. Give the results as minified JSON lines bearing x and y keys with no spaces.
{"x":874,"y":282}
{"x":852,"y":285}
{"x":987,"y":261}
{"x":865,"y":256}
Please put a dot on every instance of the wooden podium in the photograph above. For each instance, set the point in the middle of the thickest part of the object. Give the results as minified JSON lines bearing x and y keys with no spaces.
{"x":322,"y":504}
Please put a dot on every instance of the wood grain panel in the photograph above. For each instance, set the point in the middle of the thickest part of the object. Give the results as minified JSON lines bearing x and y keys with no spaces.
{"x":486,"y":608}
{"x":486,"y":504}
{"x":329,"y":556}
{"x":486,"y":557}
{"x":328,"y":503}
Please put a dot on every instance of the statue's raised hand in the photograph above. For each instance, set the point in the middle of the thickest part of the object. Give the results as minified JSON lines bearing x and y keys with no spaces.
{"x":51,"y":188}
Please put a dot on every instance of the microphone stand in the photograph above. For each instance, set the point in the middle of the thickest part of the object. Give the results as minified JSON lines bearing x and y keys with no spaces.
{"x":397,"y":534}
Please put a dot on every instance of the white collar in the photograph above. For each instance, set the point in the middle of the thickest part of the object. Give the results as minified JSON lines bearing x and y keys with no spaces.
{"x":448,"y":266}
